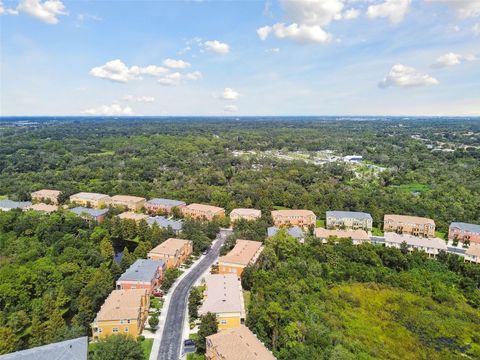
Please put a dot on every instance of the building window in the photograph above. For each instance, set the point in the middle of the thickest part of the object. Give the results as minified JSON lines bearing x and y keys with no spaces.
{"x":115,"y":330}
{"x":126,"y":329}
{"x":223,"y":322}
{"x":99,"y":330}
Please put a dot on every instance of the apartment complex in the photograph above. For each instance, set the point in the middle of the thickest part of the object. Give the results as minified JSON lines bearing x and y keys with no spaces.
{"x":244,"y":253}
{"x":224,"y":298}
{"x":349,"y":220}
{"x":358,"y":236}
{"x":129,"y":215}
{"x":432,"y":246}
{"x":124,"y":312}
{"x":236,"y":344}
{"x":87,"y":199}
{"x":46,"y":195}
{"x":473,"y":253}
{"x":172,"y":251}
{"x":155,"y":206}
{"x":7,"y":205}
{"x":464,"y":233}
{"x":46,"y":208}
{"x":245,"y":214}
{"x":164,"y":223}
{"x":295,"y":231}
{"x":302,"y":218}
{"x":134,"y":203}
{"x":97,"y":215}
{"x":201,"y":211}
{"x":74,"y":349}
{"x":412,"y":225}
{"x":142,"y":274}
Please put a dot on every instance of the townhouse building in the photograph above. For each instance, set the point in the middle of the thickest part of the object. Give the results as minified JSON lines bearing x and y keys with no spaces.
{"x":142,"y":274}
{"x":301,"y":218}
{"x":358,"y":236}
{"x":202,"y":211}
{"x":244,"y":214}
{"x":7,"y":205}
{"x":172,"y":251}
{"x":412,"y":225}
{"x":464,"y":233}
{"x":41,"y":207}
{"x":134,"y":203}
{"x":432,"y":246}
{"x":73,"y":349}
{"x":295,"y":231}
{"x":87,"y":199}
{"x":163,"y":206}
{"x":244,"y":253}
{"x":97,"y":215}
{"x":348,"y":220}
{"x":473,"y":253}
{"x":164,"y":223}
{"x":130,"y":215}
{"x":46,"y":195}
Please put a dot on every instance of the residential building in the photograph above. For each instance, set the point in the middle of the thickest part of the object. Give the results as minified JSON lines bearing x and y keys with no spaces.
{"x":358,"y":236}
{"x":42,"y":208}
{"x":349,"y":220}
{"x":164,"y":223}
{"x":236,"y":344}
{"x":245,"y":214}
{"x":46,"y":195}
{"x":432,"y":246}
{"x":123,"y":312}
{"x":302,"y":218}
{"x":464,"y":233}
{"x":163,"y":206}
{"x":172,"y":251}
{"x":224,"y":297}
{"x":295,"y":231}
{"x":201,"y":211}
{"x":87,"y":199}
{"x":7,"y":205}
{"x":244,"y":253}
{"x":142,"y":274}
{"x":413,"y":225}
{"x":74,"y":349}
{"x":129,"y":215}
{"x":97,"y":215}
{"x":473,"y":253}
{"x":134,"y":203}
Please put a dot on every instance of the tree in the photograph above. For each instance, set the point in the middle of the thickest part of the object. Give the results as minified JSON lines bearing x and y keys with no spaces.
{"x":8,"y":340}
{"x":153,"y":321}
{"x":116,"y":347}
{"x":194,"y":301}
{"x":170,"y":276}
{"x":208,"y":326}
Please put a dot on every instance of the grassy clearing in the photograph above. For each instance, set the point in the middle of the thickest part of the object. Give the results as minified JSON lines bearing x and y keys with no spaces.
{"x":320,"y":223}
{"x":195,"y":356}
{"x":414,"y":187}
{"x":377,"y":232}
{"x":147,"y":348}
{"x":246,"y":298}
{"x":441,"y":234}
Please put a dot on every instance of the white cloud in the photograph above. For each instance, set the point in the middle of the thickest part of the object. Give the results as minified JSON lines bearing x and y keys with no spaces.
{"x":230,"y":108}
{"x":295,"y":32}
{"x":146,"y":99}
{"x":229,"y":94}
{"x":170,"y":79}
{"x":312,"y":12}
{"x":176,"y":64}
{"x":351,"y":14}
{"x":194,"y":76}
{"x":463,"y":8}
{"x":109,"y":110}
{"x":476,"y":29}
{"x":273,"y":50}
{"x":5,"y":11}
{"x":406,"y":77}
{"x":395,"y":10}
{"x":116,"y":70}
{"x":46,"y":11}
{"x":81,"y":18}
{"x":450,"y":59}
{"x":263,"y":32}
{"x":217,"y":47}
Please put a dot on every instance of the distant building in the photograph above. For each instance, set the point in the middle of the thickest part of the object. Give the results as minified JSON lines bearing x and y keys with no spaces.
{"x":46,"y":195}
{"x":244,"y":253}
{"x":201,"y":211}
{"x":97,"y":215}
{"x":413,"y":225}
{"x":155,"y":206}
{"x":164,"y":223}
{"x":74,"y":349}
{"x":473,"y":253}
{"x":123,"y":312}
{"x":224,"y":298}
{"x":172,"y":251}
{"x":7,"y":205}
{"x":43,"y":208}
{"x":245,"y":214}
{"x":349,"y":220}
{"x":142,"y":274}
{"x":87,"y":199}
{"x":295,"y":231}
{"x":236,"y":344}
{"x":353,"y":158}
{"x":464,"y":233}
{"x":358,"y":236}
{"x":134,"y":203}
{"x":302,"y":218}
{"x":432,"y":246}
{"x":129,"y":215}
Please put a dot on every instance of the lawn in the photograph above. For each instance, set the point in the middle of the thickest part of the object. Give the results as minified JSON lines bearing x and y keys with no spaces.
{"x":3,"y":197}
{"x":320,"y":223}
{"x":147,"y":348}
{"x":377,"y":232}
{"x":195,"y":356}
{"x":246,"y":298}
{"x":440,"y":234}
{"x":414,"y":187}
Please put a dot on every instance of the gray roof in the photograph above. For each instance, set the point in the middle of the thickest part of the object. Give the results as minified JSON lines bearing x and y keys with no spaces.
{"x":166,"y":202}
{"x":163,"y":222}
{"x":9,"y":204}
{"x":142,"y":270}
{"x":75,"y":349}
{"x":91,"y":212}
{"x":294,"y":231}
{"x":465,"y":227}
{"x":349,"y":215}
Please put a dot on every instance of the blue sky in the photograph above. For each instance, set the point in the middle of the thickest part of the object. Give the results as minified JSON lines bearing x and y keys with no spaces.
{"x":302,"y":57}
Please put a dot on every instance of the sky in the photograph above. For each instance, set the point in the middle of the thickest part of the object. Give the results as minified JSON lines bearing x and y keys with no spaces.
{"x":301,"y":57}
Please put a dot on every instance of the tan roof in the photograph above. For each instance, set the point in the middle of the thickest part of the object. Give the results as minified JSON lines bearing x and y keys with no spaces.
{"x":128,"y":215}
{"x":246,"y":212}
{"x":473,"y":250}
{"x":122,"y":304}
{"x":205,"y":208}
{"x":298,"y":212}
{"x":46,"y":193}
{"x":127,"y":198}
{"x":354,"y":234}
{"x":223,"y":294}
{"x":169,"y":246}
{"x":242,"y":253}
{"x":409,"y":219}
{"x":43,"y":207}
{"x":239,"y":344}
{"x":89,"y":196}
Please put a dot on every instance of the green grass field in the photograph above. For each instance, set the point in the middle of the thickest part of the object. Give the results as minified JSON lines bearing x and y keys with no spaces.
{"x":414,"y":187}
{"x":320,"y":223}
{"x":377,"y":232}
{"x":147,"y":348}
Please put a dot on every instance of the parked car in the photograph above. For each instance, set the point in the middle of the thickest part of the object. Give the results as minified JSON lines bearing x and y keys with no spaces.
{"x":189,"y":346}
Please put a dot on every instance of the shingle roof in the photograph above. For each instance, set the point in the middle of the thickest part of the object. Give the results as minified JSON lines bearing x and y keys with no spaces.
{"x":409,"y":219}
{"x":9,"y":204}
{"x":223,"y":294}
{"x":242,"y":253}
{"x":121,"y":305}
{"x":43,"y":207}
{"x":128,"y":215}
{"x":90,"y":196}
{"x":169,"y":246}
{"x":165,"y":202}
{"x":163,"y":222}
{"x":473,"y":250}
{"x":246,"y":212}
{"x":436,"y":243}
{"x":349,"y":215}
{"x":142,"y":270}
{"x":46,"y":193}
{"x":205,"y":208}
{"x":465,"y":227}
{"x":299,"y":212}
{"x":80,"y":210}
{"x":354,"y":234}
{"x":126,"y":198}
{"x":239,"y":344}
{"x":295,"y":231}
{"x":75,"y":349}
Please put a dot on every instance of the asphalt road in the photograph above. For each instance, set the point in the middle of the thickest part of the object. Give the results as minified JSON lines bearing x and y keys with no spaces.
{"x":171,"y":343}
